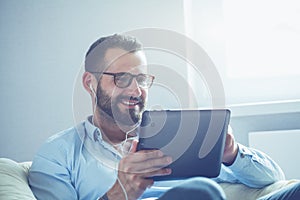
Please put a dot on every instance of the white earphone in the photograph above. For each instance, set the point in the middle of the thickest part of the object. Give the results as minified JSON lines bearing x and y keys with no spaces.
{"x":92,"y":89}
{"x":96,"y":100}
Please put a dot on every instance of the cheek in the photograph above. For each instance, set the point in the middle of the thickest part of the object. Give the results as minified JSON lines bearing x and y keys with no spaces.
{"x":108,"y":85}
{"x":112,"y":90}
{"x":115,"y":93}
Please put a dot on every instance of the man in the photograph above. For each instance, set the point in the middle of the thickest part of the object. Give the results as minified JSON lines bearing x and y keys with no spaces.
{"x":97,"y":159}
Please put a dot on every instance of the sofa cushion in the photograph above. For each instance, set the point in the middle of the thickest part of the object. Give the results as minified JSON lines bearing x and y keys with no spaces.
{"x":236,"y":191}
{"x":13,"y":180}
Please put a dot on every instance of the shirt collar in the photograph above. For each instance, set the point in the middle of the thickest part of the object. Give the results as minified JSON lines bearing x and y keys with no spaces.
{"x":92,"y":131}
{"x":95,"y":135}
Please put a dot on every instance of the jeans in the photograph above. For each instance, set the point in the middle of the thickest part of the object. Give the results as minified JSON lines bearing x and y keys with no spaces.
{"x":206,"y":189}
{"x":195,"y":189}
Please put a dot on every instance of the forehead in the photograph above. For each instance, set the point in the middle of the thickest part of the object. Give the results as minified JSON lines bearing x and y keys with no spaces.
{"x":120,"y":60}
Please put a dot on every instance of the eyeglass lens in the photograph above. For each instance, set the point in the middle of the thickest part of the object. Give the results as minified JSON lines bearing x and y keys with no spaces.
{"x":125,"y":79}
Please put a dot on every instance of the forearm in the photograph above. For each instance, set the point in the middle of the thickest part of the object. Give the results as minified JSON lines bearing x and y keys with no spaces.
{"x":254,"y":168}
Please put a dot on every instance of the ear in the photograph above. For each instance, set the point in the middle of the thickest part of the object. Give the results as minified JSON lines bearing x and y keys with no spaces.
{"x":88,"y":80}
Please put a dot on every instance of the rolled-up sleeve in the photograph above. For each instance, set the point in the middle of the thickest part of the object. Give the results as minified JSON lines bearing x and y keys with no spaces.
{"x":254,"y":168}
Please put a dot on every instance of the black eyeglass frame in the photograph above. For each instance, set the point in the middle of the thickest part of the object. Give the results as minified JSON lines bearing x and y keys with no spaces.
{"x":120,"y":74}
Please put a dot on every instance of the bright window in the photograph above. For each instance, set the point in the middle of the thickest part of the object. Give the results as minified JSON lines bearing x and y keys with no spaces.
{"x":254,"y":44}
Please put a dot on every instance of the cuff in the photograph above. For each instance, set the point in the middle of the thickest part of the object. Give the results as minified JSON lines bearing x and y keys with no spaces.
{"x":243,"y":154}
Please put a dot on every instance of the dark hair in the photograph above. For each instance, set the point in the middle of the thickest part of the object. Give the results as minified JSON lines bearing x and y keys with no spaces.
{"x":94,"y":58}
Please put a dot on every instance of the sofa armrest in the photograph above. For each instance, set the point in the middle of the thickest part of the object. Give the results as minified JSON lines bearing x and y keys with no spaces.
{"x":13,"y":180}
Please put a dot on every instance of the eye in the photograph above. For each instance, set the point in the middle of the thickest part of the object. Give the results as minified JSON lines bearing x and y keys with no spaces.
{"x":141,"y":78}
{"x":122,"y":77}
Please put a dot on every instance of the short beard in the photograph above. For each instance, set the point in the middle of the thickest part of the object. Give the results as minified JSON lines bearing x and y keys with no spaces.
{"x":111,"y":109}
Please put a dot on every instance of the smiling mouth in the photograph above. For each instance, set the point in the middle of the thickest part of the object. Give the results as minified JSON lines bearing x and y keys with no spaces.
{"x":131,"y":102}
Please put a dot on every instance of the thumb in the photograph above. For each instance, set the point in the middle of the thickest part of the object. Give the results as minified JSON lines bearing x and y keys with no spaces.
{"x":133,"y":147}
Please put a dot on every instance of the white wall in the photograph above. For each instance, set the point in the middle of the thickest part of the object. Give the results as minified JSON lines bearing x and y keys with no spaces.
{"x":42,"y":49}
{"x":285,"y":153}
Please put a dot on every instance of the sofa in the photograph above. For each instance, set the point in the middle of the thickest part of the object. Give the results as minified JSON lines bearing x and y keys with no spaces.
{"x":13,"y":180}
{"x":14,"y":184}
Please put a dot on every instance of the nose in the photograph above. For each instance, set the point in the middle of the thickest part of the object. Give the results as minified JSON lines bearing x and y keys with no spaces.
{"x":135,"y":89}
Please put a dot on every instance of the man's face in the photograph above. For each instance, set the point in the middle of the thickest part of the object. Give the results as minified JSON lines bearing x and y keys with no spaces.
{"x":123,"y":105}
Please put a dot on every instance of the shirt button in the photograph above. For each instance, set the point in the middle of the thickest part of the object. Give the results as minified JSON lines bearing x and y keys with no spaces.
{"x":96,"y":136}
{"x":242,"y":155}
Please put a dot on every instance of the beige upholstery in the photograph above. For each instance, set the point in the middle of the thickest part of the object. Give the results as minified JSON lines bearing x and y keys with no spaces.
{"x":13,"y":180}
{"x":239,"y":191}
{"x":14,"y":184}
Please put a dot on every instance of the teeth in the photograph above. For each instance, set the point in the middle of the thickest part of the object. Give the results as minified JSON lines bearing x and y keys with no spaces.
{"x":129,"y":103}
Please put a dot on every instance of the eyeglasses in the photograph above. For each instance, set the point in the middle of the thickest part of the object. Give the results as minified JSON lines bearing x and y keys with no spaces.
{"x":124,"y":79}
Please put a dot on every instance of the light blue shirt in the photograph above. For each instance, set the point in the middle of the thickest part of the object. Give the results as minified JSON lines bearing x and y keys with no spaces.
{"x":78,"y":164}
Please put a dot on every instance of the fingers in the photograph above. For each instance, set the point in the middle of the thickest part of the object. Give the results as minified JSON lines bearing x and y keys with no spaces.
{"x":133,"y":147}
{"x":145,"y":155}
{"x":144,"y":181}
{"x":155,"y":165}
{"x":144,"y":162}
{"x":230,"y":150}
{"x":159,"y":172}
{"x":229,"y":141}
{"x":137,"y":168}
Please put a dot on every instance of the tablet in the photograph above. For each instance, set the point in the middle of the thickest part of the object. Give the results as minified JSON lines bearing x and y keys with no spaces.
{"x":195,"y":140}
